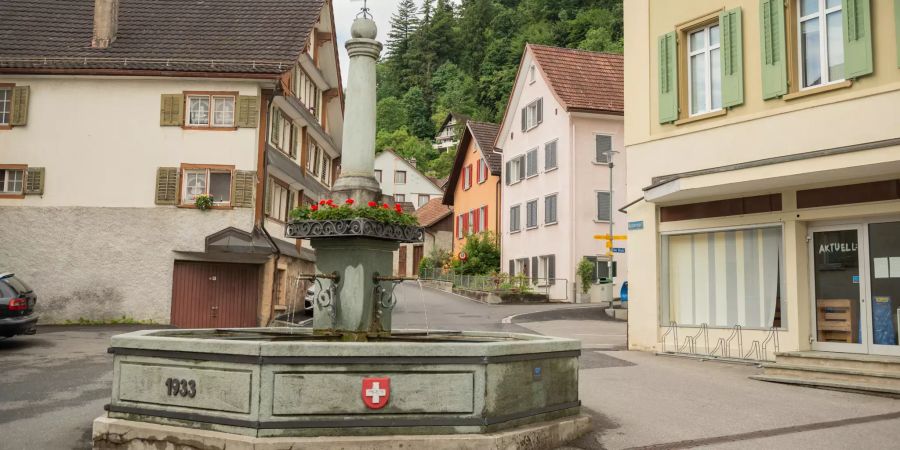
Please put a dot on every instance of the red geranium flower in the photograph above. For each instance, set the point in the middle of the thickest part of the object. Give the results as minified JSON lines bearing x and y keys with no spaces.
{"x":398,"y":208}
{"x":322,"y":202}
{"x":373,"y":205}
{"x":385,"y":206}
{"x":332,"y":205}
{"x":314,"y":208}
{"x":349,"y":201}
{"x":329,"y":202}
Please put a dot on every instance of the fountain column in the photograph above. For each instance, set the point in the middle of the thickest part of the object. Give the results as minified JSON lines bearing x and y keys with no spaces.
{"x":357,"y":177}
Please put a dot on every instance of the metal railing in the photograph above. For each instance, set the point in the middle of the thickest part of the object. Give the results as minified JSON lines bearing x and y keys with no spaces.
{"x":498,"y":283}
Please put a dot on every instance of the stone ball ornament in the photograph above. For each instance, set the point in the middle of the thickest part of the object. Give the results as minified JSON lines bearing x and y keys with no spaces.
{"x":364,"y":28}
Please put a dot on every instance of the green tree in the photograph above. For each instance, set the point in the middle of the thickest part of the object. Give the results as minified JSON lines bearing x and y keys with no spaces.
{"x":405,"y":145}
{"x":418,"y":114}
{"x":391,"y":114}
{"x":441,"y":166}
{"x":482,"y":255}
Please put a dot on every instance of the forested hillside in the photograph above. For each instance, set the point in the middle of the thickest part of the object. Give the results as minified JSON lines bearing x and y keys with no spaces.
{"x":462,"y":56}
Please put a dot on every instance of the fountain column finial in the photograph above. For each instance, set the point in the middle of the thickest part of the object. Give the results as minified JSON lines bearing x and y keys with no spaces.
{"x":357,"y":177}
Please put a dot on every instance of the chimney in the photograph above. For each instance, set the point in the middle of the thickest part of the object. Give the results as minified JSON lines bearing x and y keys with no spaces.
{"x":412,"y":161}
{"x":106,"y":23}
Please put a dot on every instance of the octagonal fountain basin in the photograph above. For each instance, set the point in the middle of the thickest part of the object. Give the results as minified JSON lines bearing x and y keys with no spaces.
{"x":269,"y":382}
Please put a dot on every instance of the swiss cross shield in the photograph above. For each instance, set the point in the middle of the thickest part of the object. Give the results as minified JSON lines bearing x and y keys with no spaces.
{"x":376,"y":392}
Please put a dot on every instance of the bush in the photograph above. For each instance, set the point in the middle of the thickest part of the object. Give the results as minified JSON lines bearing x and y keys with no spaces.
{"x":482,"y":255}
{"x":437,"y":259}
{"x":203,"y":202}
{"x":585,"y":273}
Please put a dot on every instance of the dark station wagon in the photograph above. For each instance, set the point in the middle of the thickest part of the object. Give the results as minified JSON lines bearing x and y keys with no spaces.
{"x":16,"y":307}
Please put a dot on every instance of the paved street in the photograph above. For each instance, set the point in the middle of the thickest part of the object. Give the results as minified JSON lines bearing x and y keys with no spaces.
{"x":56,"y":382}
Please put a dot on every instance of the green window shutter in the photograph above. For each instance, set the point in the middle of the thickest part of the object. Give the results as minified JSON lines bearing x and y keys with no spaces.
{"x":857,"y":38}
{"x":668,"y":79}
{"x":171,"y":110}
{"x":247,"y":112}
{"x":268,"y":209}
{"x":772,"y":45}
{"x":897,"y":28}
{"x":166,"y":185}
{"x":732,"y":52}
{"x":20,"y":95}
{"x":34,"y":181}
{"x":242,"y":188}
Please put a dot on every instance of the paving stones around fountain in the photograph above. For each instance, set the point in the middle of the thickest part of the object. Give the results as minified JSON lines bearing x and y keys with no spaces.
{"x":118,"y":434}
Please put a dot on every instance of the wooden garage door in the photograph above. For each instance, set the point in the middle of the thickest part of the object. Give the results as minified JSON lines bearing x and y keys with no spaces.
{"x":215,"y":295}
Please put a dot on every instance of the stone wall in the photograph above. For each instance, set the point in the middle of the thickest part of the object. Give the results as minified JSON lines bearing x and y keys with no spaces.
{"x":104,"y":263}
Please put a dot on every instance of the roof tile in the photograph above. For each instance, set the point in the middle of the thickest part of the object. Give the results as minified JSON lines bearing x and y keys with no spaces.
{"x":432,"y":212}
{"x":583,"y":80}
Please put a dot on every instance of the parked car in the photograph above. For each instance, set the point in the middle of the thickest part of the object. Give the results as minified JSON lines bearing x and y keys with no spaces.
{"x":16,"y":307}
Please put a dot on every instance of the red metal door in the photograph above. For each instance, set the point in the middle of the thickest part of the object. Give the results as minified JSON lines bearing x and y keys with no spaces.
{"x":418,"y":254}
{"x":215,"y":295}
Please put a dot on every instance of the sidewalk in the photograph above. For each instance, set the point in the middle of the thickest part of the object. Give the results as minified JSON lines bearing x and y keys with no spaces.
{"x":640,"y":400}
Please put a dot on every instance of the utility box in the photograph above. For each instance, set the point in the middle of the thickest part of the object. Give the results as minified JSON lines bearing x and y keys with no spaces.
{"x":602,"y":292}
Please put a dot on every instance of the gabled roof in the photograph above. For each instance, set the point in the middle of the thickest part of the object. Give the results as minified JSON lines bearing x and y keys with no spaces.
{"x":409,"y":166}
{"x":483,"y":134}
{"x":583,"y":81}
{"x":460,"y":118}
{"x":222,"y":36}
{"x":432,"y":212}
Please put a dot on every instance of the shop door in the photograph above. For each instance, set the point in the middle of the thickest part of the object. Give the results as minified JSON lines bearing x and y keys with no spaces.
{"x":839,"y":289}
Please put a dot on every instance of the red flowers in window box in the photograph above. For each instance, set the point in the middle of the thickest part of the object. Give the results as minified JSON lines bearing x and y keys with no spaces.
{"x":398,"y":208}
{"x":373,"y":204}
{"x":350,"y":201}
{"x":314,"y":208}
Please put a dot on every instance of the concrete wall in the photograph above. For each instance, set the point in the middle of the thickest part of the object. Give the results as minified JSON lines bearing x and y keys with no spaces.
{"x":865,"y":112}
{"x":102,"y":263}
{"x":416,"y":183}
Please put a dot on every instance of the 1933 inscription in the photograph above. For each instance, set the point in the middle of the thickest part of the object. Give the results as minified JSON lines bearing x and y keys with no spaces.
{"x":182,"y":387}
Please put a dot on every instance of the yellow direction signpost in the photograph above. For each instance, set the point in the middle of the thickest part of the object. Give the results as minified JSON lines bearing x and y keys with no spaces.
{"x":610,"y":240}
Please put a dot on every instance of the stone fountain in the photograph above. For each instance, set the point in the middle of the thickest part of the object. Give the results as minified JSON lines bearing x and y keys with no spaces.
{"x":350,"y":381}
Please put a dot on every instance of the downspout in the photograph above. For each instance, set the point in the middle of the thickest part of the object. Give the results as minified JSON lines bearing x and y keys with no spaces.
{"x":573,"y":154}
{"x":261,"y":224}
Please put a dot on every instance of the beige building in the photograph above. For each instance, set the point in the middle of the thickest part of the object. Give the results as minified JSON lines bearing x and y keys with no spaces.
{"x":763,"y":143}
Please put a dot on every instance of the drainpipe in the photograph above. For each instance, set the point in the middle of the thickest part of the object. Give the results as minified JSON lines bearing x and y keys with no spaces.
{"x":263,"y":113}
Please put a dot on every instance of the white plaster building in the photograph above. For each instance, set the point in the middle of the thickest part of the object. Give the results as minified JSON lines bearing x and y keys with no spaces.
{"x":113,"y":149}
{"x":403,"y":181}
{"x":448,"y":135}
{"x":562,"y":128}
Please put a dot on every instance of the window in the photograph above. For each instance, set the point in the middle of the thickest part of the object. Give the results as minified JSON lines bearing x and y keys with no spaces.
{"x":467,"y":177}
{"x":482,"y":219}
{"x":318,"y":163}
{"x":704,"y":71}
{"x":470,"y":222}
{"x":423,"y":199}
{"x":282,"y":134}
{"x":399,"y":198}
{"x":550,"y":156}
{"x":603,"y":149}
{"x":821,"y":42}
{"x":308,"y":93}
{"x":378,"y":175}
{"x":515,"y":170}
{"x":531,"y":163}
{"x":12,"y":181}
{"x":547,"y":270}
{"x":533,"y":114}
{"x":550,"y":209}
{"x":532,"y":74}
{"x":5,"y":105}
{"x":483,"y":171}
{"x":208,"y":110}
{"x":400,"y":177}
{"x":723,"y":278}
{"x":604,"y":206}
{"x":460,"y":226}
{"x":531,"y":216}
{"x":601,"y":267}
{"x":213,"y":182}
{"x":282,"y":200}
{"x":514,"y":219}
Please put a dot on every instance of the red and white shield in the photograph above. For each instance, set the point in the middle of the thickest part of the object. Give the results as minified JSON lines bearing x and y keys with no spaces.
{"x":376,"y":392}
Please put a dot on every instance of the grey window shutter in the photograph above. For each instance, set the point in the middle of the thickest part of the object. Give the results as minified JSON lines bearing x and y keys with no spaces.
{"x":540,"y":110}
{"x":171,"y":110}
{"x":247,"y":111}
{"x":524,"y":119}
{"x":512,"y":268}
{"x":268,"y":205}
{"x":242,"y":188}
{"x":603,"y":206}
{"x":20,"y":97}
{"x":521,"y":167}
{"x":551,"y":269}
{"x":604,"y":148}
{"x":857,"y":38}
{"x":534,"y":270}
{"x":732,"y":65}
{"x":507,"y":173}
{"x":547,"y":210}
{"x":34,"y":181}
{"x":166,"y":185}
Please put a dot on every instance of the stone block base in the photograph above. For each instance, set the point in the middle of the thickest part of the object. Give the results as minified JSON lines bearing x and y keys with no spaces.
{"x":119,"y":434}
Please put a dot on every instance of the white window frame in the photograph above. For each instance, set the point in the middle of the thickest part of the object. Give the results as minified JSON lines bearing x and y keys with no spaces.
{"x":399,"y":198}
{"x":514,"y":170}
{"x":706,"y":51}
{"x":532,"y":73}
{"x":281,"y":197}
{"x":211,"y":113}
{"x":6,"y":188}
{"x":6,"y":105}
{"x":531,"y":115}
{"x":467,"y":177}
{"x":470,"y":229}
{"x":544,"y":270}
{"x":398,"y":172}
{"x":821,"y":16}
{"x":215,"y":111}
{"x":419,"y":199}
{"x":378,"y":175}
{"x":460,"y":233}
{"x":482,"y":171}
{"x":537,"y":213}
{"x":515,"y":211}
{"x":190,"y":199}
{"x":482,"y":219}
